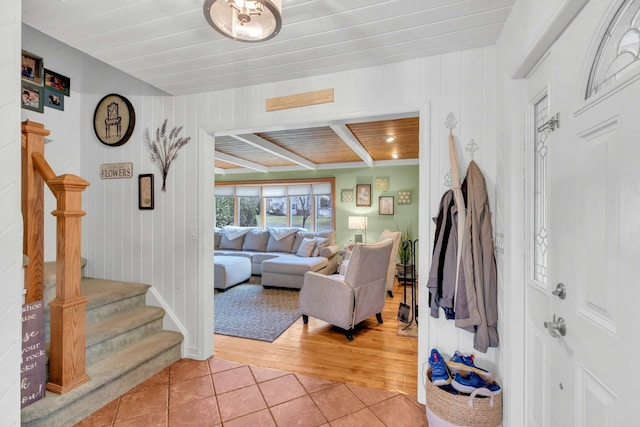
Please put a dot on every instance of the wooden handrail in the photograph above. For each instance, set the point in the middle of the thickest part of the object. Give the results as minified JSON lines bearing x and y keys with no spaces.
{"x":67,"y":353}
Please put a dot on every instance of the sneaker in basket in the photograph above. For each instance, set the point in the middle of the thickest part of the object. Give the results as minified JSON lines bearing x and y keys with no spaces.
{"x":468,"y":383}
{"x":439,"y":372}
{"x":464,"y":364}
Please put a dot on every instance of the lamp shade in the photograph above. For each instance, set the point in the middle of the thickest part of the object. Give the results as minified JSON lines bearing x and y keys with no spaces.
{"x":357,"y":223}
{"x":245,"y":20}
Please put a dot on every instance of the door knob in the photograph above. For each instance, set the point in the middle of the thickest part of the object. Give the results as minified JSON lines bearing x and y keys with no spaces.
{"x":557,"y":327}
{"x":561,"y":291}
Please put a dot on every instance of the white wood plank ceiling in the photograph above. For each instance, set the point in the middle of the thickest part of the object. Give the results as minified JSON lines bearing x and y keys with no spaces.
{"x":168,"y":43}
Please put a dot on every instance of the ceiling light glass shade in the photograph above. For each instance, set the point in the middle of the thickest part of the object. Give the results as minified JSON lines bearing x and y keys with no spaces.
{"x":245,"y":20}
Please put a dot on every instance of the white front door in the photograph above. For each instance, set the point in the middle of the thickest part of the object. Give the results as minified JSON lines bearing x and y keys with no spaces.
{"x":583,"y":217}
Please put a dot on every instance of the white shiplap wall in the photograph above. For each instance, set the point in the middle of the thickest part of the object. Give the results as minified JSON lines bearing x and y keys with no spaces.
{"x":462,"y":83}
{"x":11,"y":276}
{"x":155,"y":247}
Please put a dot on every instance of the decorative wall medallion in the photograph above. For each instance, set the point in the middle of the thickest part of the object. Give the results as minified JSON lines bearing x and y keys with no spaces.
{"x":472,"y":147}
{"x":404,"y":197}
{"x":451,"y":121}
{"x":114,"y":120}
{"x":346,"y":195}
{"x":447,"y":179}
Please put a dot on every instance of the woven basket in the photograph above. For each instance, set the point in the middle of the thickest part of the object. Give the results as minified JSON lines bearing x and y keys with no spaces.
{"x":464,"y":410}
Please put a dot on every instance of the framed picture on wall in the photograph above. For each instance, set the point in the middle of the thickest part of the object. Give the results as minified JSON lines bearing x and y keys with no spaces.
{"x":32,"y":68}
{"x":346,"y":195}
{"x":385,"y":205}
{"x":145,"y":191}
{"x":32,"y":97}
{"x":53,"y":98}
{"x":363,"y":195}
{"x":57,"y":81}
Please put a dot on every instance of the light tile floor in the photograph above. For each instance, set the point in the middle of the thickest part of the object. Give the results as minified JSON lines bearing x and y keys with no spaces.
{"x":220,"y":393}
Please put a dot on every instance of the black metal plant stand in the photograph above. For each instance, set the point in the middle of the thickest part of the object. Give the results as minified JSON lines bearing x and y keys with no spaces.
{"x":409,"y":278}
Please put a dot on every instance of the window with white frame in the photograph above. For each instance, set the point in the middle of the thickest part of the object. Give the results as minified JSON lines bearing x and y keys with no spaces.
{"x":304,"y":204}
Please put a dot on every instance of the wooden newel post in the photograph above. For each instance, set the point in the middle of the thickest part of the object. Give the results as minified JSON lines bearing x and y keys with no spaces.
{"x":68,"y":318}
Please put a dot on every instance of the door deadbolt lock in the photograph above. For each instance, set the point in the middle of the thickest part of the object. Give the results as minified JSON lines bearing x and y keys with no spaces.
{"x":556,"y":328}
{"x":561,"y":291}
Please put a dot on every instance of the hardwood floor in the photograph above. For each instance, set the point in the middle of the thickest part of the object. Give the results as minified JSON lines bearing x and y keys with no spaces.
{"x":377,"y":357}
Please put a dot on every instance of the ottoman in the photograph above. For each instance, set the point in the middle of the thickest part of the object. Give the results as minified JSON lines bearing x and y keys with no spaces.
{"x":288,"y":271}
{"x":230,"y":270}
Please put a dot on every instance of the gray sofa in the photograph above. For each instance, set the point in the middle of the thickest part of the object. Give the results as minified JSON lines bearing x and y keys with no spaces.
{"x":281,"y":255}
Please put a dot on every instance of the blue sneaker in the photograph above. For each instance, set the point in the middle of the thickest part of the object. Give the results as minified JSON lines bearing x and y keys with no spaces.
{"x":464,"y":364}
{"x":439,"y":372}
{"x":467,"y":384}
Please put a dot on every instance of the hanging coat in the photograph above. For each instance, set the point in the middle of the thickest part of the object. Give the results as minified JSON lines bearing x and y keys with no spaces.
{"x":442,"y":275}
{"x":476,"y":304}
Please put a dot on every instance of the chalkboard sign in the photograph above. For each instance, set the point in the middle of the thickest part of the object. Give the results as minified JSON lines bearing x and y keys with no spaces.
{"x":34,"y":361}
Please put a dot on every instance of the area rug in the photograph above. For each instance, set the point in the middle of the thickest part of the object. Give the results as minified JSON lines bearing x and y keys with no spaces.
{"x":250,"y":311}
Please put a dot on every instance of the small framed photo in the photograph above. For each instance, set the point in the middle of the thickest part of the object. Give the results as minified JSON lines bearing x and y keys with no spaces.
{"x":363,"y":195}
{"x":32,"y":97}
{"x":145,"y":191}
{"x":32,"y":68}
{"x":53,"y":99}
{"x":57,"y":81}
{"x":385,"y":205}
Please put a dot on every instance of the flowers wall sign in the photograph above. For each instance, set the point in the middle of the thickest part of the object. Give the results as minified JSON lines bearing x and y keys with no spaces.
{"x":163,"y":149}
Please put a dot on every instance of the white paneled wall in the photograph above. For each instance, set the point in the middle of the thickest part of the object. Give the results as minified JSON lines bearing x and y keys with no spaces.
{"x":155,"y":247}
{"x":11,"y":276}
{"x":461,"y":83}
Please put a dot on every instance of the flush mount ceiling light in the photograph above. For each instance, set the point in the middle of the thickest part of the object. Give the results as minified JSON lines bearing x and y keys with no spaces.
{"x":245,"y":20}
{"x":389,"y":138}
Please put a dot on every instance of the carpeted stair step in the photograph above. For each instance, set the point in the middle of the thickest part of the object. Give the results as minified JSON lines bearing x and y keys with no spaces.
{"x":115,"y":333}
{"x":110,"y":298}
{"x":110,"y":377}
{"x":107,"y":299}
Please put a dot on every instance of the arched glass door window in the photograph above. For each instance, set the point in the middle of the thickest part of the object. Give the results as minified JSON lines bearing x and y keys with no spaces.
{"x":619,"y":51}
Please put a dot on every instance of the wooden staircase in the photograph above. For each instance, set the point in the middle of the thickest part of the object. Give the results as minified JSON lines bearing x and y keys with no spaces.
{"x":102,"y":339}
{"x":125,"y":345}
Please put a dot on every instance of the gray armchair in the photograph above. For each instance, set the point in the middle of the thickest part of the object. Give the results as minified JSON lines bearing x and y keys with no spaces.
{"x":395,"y":236}
{"x":346,"y":300}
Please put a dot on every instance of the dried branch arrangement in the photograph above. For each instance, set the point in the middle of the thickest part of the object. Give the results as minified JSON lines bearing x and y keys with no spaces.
{"x":164,"y":149}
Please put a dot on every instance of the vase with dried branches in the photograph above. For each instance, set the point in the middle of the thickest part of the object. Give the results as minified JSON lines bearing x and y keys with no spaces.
{"x":164,"y":148}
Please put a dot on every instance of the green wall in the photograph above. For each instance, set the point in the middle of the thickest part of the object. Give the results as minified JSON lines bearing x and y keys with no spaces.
{"x":400,"y":178}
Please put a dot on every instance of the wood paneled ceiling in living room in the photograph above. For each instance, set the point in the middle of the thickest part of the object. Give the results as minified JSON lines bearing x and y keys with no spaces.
{"x":357,"y":144}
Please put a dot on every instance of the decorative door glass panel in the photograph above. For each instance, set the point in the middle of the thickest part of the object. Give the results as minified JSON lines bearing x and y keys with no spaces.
{"x":618,"y":54}
{"x":539,"y":214}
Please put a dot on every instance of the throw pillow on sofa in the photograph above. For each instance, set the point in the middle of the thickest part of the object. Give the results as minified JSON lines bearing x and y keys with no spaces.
{"x":235,"y":244}
{"x":306,"y":247}
{"x":321,"y":242}
{"x":256,"y":240}
{"x":282,"y":245}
